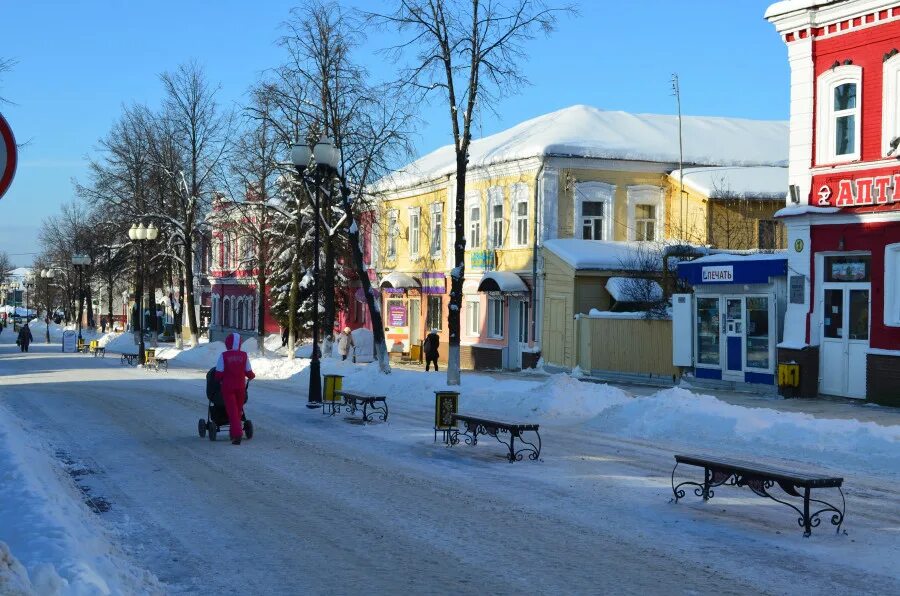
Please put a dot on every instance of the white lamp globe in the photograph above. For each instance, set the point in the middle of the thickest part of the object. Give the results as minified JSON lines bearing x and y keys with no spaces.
{"x":152,"y":232}
{"x":132,"y":232}
{"x":141,"y":232}
{"x":300,"y":155}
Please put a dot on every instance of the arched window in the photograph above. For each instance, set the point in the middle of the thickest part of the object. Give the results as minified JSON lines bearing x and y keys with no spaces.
{"x":226,"y":310}
{"x":839,"y":98}
{"x":240,"y":314}
{"x":251,"y":315}
{"x":215,"y":310}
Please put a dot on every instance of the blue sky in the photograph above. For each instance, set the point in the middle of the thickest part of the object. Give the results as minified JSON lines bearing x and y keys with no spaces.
{"x":80,"y":62}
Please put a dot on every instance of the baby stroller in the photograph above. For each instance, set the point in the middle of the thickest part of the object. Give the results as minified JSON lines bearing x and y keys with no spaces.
{"x":216,"y":415}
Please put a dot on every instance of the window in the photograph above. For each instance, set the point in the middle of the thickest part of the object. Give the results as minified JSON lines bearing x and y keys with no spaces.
{"x":393,"y":216}
{"x":520,"y":213}
{"x":437,"y":223}
{"x":473,"y":206}
{"x":839,"y":92}
{"x":495,"y":213}
{"x":852,"y":268}
{"x":592,"y":220}
{"x":644,"y":222}
{"x":495,"y":317}
{"x":593,"y":210}
{"x":890,"y":114}
{"x":473,"y":316}
{"x":645,"y":204}
{"x":414,"y":233}
{"x":227,"y":252}
{"x":524,"y":322}
{"x":767,"y":234}
{"x":434,"y":313}
{"x":892,"y":285}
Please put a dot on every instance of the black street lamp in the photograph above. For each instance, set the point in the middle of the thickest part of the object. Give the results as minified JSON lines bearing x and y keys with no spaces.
{"x":141,"y":234}
{"x":80,"y":262}
{"x":325,"y":159}
{"x":48,"y":275}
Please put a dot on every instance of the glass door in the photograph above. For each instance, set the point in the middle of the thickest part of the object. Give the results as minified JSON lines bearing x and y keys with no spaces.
{"x":734,"y":338}
{"x":708,"y":332}
{"x":845,"y":339}
{"x":757,"y":344}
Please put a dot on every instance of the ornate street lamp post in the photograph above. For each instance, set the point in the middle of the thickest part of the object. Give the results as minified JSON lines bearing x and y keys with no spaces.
{"x":325,"y":161}
{"x":48,"y":275}
{"x":80,"y":262}
{"x":140,"y":235}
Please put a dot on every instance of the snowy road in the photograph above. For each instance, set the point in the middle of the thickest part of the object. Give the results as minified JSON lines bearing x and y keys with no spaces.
{"x":322,"y":505}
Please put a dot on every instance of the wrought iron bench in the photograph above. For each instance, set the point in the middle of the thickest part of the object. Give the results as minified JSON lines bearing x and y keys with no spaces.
{"x":352,"y":400}
{"x":761,"y":479}
{"x":155,"y":362}
{"x":129,"y":359}
{"x":476,"y":425}
{"x":99,"y":351}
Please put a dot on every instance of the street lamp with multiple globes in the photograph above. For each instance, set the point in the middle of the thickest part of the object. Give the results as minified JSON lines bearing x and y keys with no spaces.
{"x":80,"y":262}
{"x":141,"y":234}
{"x":325,"y":158}
{"x":48,"y":275}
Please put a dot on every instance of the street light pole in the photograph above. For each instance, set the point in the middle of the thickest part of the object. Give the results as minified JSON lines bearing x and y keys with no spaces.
{"x":80,"y":262}
{"x":326,"y":162}
{"x":48,"y":275}
{"x":141,"y":234}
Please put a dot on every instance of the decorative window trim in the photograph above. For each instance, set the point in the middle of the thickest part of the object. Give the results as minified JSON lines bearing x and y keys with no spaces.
{"x":892,"y":285}
{"x":414,"y":212}
{"x":825,"y":85}
{"x":890,"y":107}
{"x":518,"y":195}
{"x":594,"y":191}
{"x":645,"y":194}
{"x":393,"y":220}
{"x":436,"y":209}
{"x":473,"y":199}
{"x":492,"y":318}
{"x":470,"y":300}
{"x":495,"y":197}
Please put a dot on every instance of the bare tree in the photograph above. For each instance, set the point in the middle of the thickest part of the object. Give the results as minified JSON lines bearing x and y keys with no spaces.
{"x":6,"y":266}
{"x":469,"y":51}
{"x":6,"y":64}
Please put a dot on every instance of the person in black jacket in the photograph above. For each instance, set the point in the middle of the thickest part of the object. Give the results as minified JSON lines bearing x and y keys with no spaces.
{"x":24,"y":338}
{"x":430,"y":348}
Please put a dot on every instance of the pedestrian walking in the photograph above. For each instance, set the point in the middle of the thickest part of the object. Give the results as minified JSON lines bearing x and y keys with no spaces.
{"x":284,"y":337}
{"x":232,"y":368}
{"x":345,"y":343}
{"x":24,"y":338}
{"x":430,"y":347}
{"x":103,"y":325}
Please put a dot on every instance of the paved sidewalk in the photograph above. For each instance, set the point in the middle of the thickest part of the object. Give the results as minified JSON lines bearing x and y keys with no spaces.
{"x":824,"y":407}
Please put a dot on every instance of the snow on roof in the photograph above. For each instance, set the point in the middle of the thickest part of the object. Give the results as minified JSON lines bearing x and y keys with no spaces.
{"x":786,"y":6}
{"x":601,"y":254}
{"x":585,"y":131}
{"x":757,"y":182}
{"x":805,"y":210}
{"x":730,"y":257}
{"x":622,"y":289}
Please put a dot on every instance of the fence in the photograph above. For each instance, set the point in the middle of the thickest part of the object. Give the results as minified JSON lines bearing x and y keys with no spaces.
{"x":624,"y":345}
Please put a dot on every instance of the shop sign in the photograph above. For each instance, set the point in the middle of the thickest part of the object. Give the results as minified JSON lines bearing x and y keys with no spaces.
{"x":862,"y":192}
{"x":483,"y":260}
{"x":718,"y":274}
{"x":434,"y":283}
{"x":397,"y":315}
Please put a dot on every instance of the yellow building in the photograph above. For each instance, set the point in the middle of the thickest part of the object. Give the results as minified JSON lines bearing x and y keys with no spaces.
{"x":579,"y":173}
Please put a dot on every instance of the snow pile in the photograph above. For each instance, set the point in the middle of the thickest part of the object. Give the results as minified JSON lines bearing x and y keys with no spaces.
{"x":603,"y":254}
{"x":49,"y":542}
{"x":763,"y":182}
{"x":585,"y":131}
{"x":710,"y":425}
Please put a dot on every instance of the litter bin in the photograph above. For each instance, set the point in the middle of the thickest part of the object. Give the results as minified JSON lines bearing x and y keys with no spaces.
{"x":789,"y":378}
{"x":446,"y":403}
{"x":332,"y":383}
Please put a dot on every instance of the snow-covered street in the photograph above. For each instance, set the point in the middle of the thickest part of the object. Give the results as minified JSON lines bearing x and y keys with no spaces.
{"x":325,"y":505}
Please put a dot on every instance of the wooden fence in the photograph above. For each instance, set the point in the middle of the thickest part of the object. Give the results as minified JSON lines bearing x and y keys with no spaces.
{"x":619,"y":345}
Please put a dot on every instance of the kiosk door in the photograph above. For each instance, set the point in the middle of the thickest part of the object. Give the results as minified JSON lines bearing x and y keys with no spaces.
{"x":734,"y":338}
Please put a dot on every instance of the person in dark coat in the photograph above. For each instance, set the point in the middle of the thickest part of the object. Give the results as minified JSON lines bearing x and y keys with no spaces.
{"x":430,"y":348}
{"x":25,"y":338}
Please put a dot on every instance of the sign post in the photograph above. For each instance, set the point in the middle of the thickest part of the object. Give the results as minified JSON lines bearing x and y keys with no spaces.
{"x":8,"y":156}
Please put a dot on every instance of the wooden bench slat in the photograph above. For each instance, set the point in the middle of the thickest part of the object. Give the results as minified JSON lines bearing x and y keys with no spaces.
{"x":491,"y":422}
{"x":775,"y":473}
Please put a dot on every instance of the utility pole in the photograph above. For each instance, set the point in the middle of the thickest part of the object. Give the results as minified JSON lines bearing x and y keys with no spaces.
{"x":676,"y":91}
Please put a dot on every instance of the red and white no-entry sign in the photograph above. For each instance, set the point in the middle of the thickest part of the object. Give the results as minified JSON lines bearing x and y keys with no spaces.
{"x":8,"y":156}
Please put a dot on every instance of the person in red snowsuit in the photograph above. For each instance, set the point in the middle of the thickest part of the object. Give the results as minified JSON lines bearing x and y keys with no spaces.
{"x":232,"y":368}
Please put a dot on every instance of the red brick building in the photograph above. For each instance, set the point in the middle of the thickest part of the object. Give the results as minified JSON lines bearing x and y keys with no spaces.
{"x":843,"y":315}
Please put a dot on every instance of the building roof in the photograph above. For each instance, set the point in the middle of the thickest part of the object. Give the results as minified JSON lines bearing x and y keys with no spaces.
{"x":786,"y":6}
{"x":602,"y":254}
{"x":588,"y":132}
{"x":757,"y":182}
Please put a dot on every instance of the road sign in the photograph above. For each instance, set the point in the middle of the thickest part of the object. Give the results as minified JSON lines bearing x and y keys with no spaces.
{"x":8,"y":156}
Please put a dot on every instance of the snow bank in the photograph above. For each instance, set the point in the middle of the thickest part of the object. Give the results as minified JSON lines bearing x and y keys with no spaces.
{"x":49,"y":542}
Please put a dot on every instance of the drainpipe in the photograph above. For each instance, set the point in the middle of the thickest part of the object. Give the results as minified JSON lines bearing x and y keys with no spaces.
{"x":534,"y":253}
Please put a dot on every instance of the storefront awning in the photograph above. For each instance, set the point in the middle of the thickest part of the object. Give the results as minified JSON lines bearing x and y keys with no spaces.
{"x":734,"y":269}
{"x":502,"y":281}
{"x":399,"y":281}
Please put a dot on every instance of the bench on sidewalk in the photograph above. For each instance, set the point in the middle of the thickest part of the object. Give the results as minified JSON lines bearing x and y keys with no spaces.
{"x":129,"y":359}
{"x":95,"y":349}
{"x":476,"y":425}
{"x":761,"y":478}
{"x":352,"y":399}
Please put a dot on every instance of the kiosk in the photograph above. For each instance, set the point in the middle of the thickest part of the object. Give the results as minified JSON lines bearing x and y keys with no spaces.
{"x":729,"y":327}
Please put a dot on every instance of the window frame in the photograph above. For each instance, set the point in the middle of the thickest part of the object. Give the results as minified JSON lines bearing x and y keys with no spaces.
{"x":759,"y":234}
{"x":892,"y":285}
{"x":437,"y":230}
{"x":414,"y":234}
{"x":646,"y":195}
{"x":585,"y":192}
{"x":890,"y":93}
{"x":429,"y":315}
{"x":470,"y":303}
{"x":393,"y":219}
{"x":519,"y":196}
{"x":496,"y":314}
{"x":826,"y":115}
{"x":473,"y":201}
{"x":495,"y":223}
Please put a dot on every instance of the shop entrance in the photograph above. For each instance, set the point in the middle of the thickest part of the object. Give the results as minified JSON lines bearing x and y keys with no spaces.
{"x":415,"y":333}
{"x":734,"y":338}
{"x":845,"y":339}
